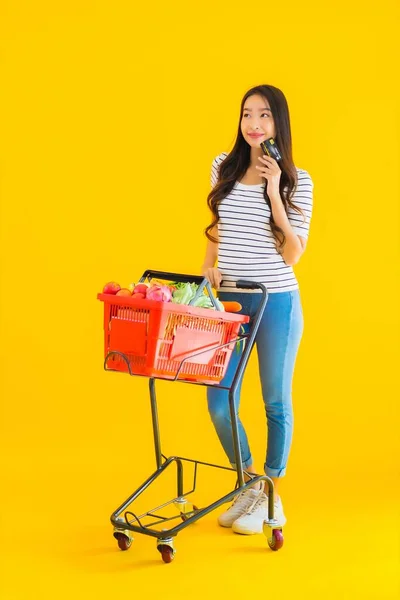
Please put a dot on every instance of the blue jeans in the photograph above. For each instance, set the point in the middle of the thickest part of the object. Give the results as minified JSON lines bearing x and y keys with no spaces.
{"x":277,"y":342}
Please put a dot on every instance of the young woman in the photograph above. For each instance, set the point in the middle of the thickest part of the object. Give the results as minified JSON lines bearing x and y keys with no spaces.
{"x":261,"y":217}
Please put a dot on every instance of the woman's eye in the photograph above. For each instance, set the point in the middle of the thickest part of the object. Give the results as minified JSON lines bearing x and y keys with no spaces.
{"x":247,"y":115}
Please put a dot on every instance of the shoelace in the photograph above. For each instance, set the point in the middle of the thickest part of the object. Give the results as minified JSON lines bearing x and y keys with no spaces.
{"x":260,"y":499}
{"x":240,"y":497}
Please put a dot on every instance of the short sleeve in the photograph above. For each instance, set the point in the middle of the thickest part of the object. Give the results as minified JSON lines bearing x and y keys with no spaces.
{"x":216,"y":163}
{"x":303,"y":198}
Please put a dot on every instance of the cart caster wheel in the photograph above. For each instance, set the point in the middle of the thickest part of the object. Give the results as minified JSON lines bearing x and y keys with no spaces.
{"x":165,"y":546}
{"x":124,"y":542}
{"x":275,"y":542}
{"x":167,"y":554}
{"x":185,"y":517}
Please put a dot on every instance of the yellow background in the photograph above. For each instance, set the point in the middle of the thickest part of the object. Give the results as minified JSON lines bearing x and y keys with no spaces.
{"x":112,"y":115}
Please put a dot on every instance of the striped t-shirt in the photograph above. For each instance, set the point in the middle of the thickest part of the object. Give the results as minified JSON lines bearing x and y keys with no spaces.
{"x":247,"y":248}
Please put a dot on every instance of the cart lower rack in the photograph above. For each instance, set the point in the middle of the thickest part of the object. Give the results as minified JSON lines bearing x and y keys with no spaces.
{"x":183,"y":344}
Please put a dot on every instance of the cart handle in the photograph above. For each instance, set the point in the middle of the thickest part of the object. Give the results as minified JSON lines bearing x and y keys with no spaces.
{"x":250,"y":285}
{"x":201,"y":281}
{"x":171,"y":277}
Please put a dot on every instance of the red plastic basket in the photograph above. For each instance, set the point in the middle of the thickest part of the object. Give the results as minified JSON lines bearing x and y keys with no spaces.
{"x":155,"y":337}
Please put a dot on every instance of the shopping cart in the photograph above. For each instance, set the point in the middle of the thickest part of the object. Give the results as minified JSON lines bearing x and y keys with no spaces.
{"x":187,"y":344}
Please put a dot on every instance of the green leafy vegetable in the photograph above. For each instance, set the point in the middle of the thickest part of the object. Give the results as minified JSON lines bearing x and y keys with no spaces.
{"x":185,"y":292}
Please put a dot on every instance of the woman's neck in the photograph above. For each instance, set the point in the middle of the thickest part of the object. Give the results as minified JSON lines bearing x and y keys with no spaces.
{"x":254,"y":154}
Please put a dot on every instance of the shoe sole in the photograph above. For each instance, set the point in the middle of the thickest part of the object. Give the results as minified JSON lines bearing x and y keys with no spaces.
{"x":245,"y":532}
{"x":225,"y":526}
{"x":249,"y":532}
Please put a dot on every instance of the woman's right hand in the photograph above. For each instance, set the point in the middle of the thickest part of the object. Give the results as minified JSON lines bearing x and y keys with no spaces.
{"x":213,"y":275}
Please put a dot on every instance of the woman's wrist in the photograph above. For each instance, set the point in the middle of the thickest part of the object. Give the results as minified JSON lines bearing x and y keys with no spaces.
{"x":207,"y":266}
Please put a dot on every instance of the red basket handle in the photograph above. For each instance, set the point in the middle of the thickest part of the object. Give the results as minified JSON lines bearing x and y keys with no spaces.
{"x":201,"y":281}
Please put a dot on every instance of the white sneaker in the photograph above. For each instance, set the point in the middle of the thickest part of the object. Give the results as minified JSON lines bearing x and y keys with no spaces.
{"x":252,"y":521}
{"x":240,"y":505}
{"x":278,"y":512}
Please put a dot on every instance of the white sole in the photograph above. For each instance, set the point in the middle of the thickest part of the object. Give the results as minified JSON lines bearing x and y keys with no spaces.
{"x":225,"y":526}
{"x":245,"y":532}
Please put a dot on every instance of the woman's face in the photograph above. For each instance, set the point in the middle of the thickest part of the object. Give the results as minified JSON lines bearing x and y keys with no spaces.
{"x":257,"y":122}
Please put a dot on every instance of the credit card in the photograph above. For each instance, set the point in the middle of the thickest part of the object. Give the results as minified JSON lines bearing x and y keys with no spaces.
{"x":269,"y":147}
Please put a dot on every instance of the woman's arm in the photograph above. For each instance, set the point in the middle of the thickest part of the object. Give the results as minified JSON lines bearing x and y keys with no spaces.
{"x":295,"y":242}
{"x":208,"y":269}
{"x":211,"y":251}
{"x":295,"y":245}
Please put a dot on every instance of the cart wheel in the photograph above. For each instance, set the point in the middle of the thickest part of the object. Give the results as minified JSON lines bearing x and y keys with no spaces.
{"x":185,"y":517}
{"x":275,"y":542}
{"x":167,"y":553}
{"x":124,"y":542}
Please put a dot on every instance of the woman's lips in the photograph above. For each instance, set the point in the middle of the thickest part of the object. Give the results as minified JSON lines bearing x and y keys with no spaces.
{"x":256,"y":135}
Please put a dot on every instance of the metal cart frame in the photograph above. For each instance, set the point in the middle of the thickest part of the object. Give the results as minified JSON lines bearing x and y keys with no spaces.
{"x":189,"y":513}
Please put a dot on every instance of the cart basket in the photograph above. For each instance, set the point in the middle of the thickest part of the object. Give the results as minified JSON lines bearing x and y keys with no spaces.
{"x":167,"y":340}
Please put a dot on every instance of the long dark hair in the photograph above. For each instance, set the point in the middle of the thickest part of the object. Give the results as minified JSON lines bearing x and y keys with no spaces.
{"x":235,"y":165}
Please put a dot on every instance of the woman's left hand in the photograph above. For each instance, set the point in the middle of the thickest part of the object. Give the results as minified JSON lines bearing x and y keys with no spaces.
{"x":271,"y":171}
